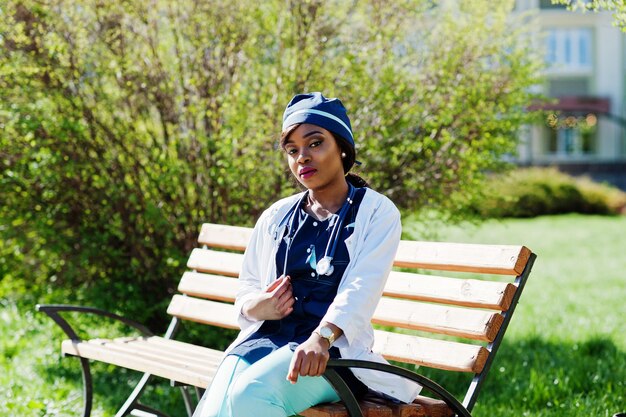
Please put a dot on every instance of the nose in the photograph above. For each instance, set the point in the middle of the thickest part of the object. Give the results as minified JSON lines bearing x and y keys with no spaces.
{"x":303,"y":156}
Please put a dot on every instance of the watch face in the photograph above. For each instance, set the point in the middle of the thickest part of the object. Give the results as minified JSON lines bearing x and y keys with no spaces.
{"x":326,"y":332}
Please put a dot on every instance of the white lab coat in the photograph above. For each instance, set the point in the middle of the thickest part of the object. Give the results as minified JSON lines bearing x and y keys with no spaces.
{"x":372,"y":247}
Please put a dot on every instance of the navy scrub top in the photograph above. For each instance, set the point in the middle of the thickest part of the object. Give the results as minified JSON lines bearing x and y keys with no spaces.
{"x":313,"y":293}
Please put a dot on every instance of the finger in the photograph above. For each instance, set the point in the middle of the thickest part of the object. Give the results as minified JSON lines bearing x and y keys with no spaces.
{"x":322,"y":365}
{"x":284,"y":311}
{"x":285,"y":308}
{"x":305,"y":365}
{"x":284,"y":304}
{"x":289,"y":302}
{"x":285,"y":297}
{"x":274,"y":284}
{"x":294,"y":368}
{"x":285,"y":300}
{"x":284,"y":285}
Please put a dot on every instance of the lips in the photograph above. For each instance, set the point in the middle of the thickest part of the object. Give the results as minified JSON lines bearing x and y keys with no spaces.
{"x":307,"y":172}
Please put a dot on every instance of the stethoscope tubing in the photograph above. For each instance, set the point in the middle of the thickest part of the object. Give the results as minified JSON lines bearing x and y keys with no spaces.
{"x":334,"y":234}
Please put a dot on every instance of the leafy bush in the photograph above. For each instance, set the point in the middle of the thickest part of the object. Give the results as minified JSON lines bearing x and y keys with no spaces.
{"x":125,"y":125}
{"x":537,"y":191}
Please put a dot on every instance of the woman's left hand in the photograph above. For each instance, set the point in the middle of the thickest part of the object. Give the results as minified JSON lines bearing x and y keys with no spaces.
{"x":309,"y":359}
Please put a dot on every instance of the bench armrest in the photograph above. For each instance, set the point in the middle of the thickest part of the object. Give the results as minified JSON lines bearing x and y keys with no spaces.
{"x":53,"y":310}
{"x":352,"y":405}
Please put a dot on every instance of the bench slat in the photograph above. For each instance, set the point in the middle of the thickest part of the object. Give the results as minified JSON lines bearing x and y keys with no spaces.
{"x":141,"y":345}
{"x":375,"y":407}
{"x":452,"y":321}
{"x":453,"y":291}
{"x":440,"y":354}
{"x":107,"y":351}
{"x":421,"y":407}
{"x":463,"y":257}
{"x":213,"y":287}
{"x":338,"y":410}
{"x":182,"y":347}
{"x":224,"y":236}
{"x":215,"y":262}
{"x":203,"y":311}
{"x":138,"y":347}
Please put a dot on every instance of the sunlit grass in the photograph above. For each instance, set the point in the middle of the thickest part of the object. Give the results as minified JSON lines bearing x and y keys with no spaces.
{"x":35,"y":380}
{"x":565,"y":351}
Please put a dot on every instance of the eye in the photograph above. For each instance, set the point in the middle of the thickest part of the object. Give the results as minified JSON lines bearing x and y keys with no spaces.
{"x":316,"y":143}
{"x":290,"y":151}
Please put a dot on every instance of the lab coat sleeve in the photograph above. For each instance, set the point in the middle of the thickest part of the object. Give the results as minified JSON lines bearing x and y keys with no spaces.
{"x":362,"y":287}
{"x":250,"y":279}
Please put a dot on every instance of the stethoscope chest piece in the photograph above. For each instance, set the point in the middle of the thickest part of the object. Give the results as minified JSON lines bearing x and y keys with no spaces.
{"x":324,"y":266}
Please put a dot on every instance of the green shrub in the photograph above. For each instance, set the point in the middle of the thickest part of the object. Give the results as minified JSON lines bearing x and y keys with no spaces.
{"x":125,"y":125}
{"x":600,"y":197}
{"x":537,"y":191}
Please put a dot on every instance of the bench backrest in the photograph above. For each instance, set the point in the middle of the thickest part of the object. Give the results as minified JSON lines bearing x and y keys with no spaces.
{"x":416,"y":308}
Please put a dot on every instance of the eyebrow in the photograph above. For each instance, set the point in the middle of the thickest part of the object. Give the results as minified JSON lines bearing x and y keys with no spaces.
{"x":306,"y":135}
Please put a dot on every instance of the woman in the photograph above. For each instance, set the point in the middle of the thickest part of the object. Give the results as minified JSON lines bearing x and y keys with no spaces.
{"x":312,"y":275}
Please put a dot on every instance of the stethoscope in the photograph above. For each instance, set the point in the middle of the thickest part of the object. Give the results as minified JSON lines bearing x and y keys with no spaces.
{"x":324,"y":266}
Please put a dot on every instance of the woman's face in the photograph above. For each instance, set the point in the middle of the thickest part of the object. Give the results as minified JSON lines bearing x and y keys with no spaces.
{"x":314,"y":157}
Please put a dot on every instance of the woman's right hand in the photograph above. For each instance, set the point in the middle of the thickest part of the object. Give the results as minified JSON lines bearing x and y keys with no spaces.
{"x":273,"y":304}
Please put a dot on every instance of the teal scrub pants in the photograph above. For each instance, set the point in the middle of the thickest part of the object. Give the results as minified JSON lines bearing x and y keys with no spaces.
{"x":261,"y":389}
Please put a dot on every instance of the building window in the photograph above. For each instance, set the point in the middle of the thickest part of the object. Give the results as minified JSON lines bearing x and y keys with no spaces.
{"x":571,"y":142}
{"x":570,"y":86}
{"x":569,"y":49}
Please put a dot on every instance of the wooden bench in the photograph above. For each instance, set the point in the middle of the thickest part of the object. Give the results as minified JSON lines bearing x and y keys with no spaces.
{"x":455,"y":323}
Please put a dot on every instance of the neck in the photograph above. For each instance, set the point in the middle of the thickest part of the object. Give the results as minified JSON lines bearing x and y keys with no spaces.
{"x":324,"y":202}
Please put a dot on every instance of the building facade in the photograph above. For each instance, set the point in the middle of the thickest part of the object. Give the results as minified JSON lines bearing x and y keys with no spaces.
{"x":585,"y":132}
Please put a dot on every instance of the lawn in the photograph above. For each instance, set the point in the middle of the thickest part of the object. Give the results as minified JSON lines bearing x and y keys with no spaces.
{"x":565,"y":350}
{"x":564,"y":353}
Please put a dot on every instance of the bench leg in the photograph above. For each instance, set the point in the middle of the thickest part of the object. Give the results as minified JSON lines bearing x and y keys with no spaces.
{"x":187,"y":399}
{"x":87,"y":387}
{"x":133,"y":399}
{"x":199,"y":393}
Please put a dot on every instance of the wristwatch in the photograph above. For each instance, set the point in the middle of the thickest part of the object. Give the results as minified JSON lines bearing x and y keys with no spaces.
{"x":326,"y":332}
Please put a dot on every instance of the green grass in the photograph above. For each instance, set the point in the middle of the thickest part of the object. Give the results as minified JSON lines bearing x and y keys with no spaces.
{"x":564,"y":353}
{"x":35,"y":380}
